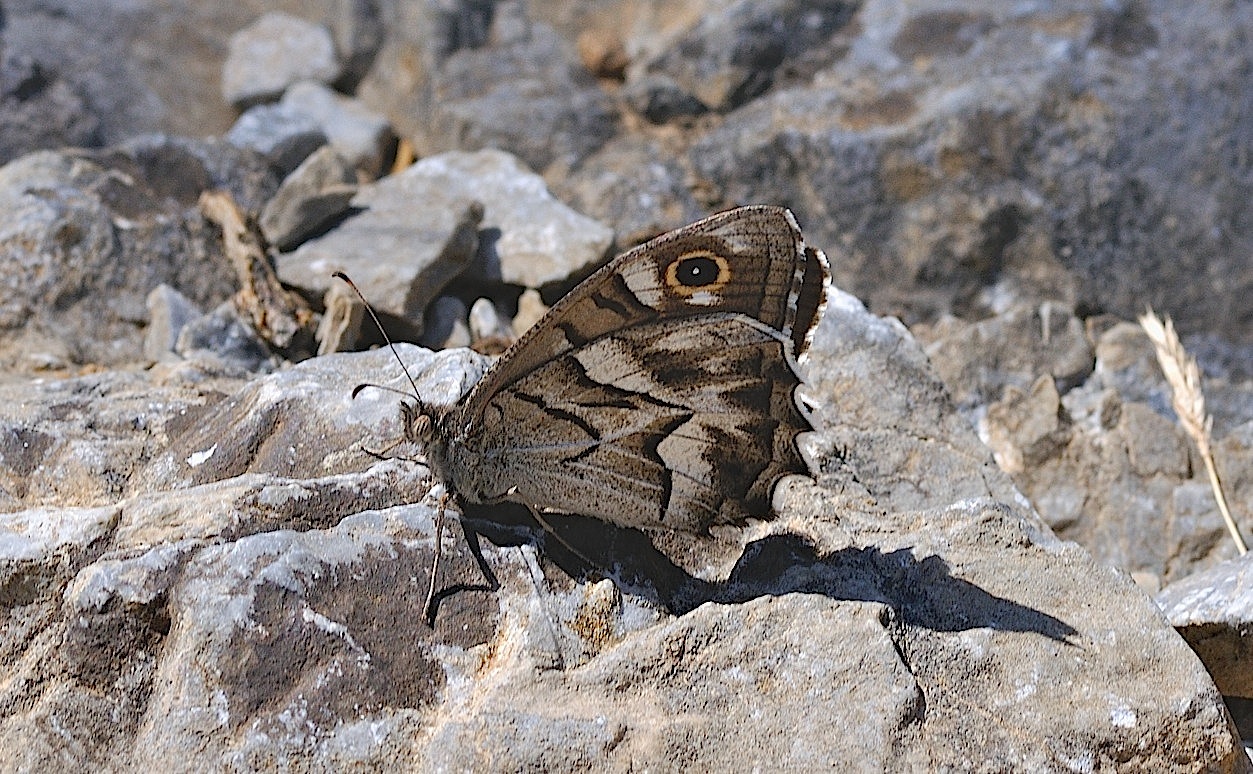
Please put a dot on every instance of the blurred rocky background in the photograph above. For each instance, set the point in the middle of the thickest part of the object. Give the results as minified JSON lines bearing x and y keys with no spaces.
{"x":1015,"y":183}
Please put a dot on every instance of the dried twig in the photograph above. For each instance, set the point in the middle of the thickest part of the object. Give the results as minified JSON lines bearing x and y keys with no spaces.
{"x":1184,"y":379}
{"x":280,"y":316}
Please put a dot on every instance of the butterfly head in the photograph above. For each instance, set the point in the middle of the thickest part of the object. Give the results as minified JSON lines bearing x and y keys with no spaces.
{"x":416,"y":421}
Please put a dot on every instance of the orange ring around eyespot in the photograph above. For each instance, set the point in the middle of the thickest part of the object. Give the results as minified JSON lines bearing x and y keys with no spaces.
{"x":672,"y":273}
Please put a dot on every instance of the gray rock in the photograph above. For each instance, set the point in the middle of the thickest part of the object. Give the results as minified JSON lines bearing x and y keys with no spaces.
{"x":317,"y":192}
{"x":925,"y":455}
{"x":1126,"y":362}
{"x":978,"y":360}
{"x":479,"y":75}
{"x":1213,"y":610}
{"x":77,"y":442}
{"x":356,"y":132}
{"x":284,"y":135}
{"x":400,"y":257}
{"x":228,"y":582}
{"x":274,"y":52}
{"x":951,"y":149}
{"x":85,"y":236}
{"x":39,"y":109}
{"x":359,"y":29}
{"x":632,"y":184}
{"x":1119,"y":478}
{"x":528,"y":237}
{"x":168,"y":313}
{"x":488,"y":330}
{"x":735,"y":52}
{"x":224,"y":334}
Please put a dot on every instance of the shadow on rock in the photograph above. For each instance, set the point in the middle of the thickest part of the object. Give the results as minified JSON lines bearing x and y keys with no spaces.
{"x":923,"y":592}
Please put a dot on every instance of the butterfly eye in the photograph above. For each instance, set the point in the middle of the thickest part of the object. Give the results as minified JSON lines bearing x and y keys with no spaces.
{"x":698,"y":272}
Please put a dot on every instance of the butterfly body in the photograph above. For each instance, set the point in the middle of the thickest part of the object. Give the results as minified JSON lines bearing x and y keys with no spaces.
{"x":659,"y":394}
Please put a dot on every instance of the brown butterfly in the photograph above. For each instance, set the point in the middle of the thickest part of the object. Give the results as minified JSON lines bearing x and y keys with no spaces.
{"x":659,"y":394}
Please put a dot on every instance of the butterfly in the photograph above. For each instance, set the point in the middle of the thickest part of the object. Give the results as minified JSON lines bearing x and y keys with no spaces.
{"x":659,"y":394}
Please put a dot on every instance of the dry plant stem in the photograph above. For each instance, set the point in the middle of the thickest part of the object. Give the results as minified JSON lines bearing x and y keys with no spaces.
{"x":1184,"y":378}
{"x":277,"y":314}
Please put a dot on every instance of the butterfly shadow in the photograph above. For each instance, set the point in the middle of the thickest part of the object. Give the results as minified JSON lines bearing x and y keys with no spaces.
{"x":922,"y":592}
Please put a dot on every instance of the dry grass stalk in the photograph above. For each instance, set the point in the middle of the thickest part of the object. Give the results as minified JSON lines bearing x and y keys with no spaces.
{"x":1184,"y":379}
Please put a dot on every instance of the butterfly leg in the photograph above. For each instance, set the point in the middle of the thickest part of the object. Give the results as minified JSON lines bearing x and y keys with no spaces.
{"x":428,"y":607}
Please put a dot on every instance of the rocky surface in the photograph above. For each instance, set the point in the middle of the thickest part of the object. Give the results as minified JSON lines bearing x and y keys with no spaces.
{"x":205,"y":563}
{"x":249,"y":595}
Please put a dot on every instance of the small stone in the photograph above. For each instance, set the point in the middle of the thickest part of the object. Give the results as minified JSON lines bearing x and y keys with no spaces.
{"x":273,"y":53}
{"x":538,"y":239}
{"x":169,"y":311}
{"x":283,"y":135}
{"x":362,"y":136}
{"x":531,"y":308}
{"x":224,"y":335}
{"x":1155,"y":444}
{"x":318,"y":191}
{"x":399,"y":255}
{"x":489,"y":332}
{"x":446,"y":326}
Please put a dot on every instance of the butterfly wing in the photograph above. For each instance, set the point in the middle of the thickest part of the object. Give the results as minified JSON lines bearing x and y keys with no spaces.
{"x":660,"y":392}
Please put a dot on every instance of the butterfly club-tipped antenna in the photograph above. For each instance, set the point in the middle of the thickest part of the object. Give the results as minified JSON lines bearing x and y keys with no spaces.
{"x":417,"y":428}
{"x":379,"y":324}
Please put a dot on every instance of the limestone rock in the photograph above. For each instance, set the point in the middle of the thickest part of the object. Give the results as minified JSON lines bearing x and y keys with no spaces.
{"x":274,"y":52}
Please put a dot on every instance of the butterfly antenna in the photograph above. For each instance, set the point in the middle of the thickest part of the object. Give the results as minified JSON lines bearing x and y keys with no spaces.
{"x":378,"y":324}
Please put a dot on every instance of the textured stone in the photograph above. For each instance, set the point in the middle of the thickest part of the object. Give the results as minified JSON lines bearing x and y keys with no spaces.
{"x":257,"y":587}
{"x":359,"y":134}
{"x":274,"y":52}
{"x":1213,"y":610}
{"x":313,"y":195}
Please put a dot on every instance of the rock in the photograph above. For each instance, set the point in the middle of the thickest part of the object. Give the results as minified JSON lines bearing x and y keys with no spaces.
{"x":274,"y":52}
{"x":846,"y":363}
{"x":631,"y":184}
{"x":1054,"y":162}
{"x":470,"y":75}
{"x":85,"y":236}
{"x":1027,"y":428}
{"x":317,"y":192}
{"x":1213,"y":610}
{"x":76,"y":442}
{"x":735,"y":52}
{"x":529,"y":238}
{"x":284,"y":135}
{"x":227,"y":580}
{"x":40,"y":110}
{"x":168,"y":313}
{"x":531,"y":308}
{"x":486,"y":325}
{"x":359,"y":29}
{"x":1125,"y":362}
{"x":446,"y":324}
{"x":400,"y":258}
{"x":979,"y":360}
{"x":1117,"y":477}
{"x":224,"y":334}
{"x":361,"y":135}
